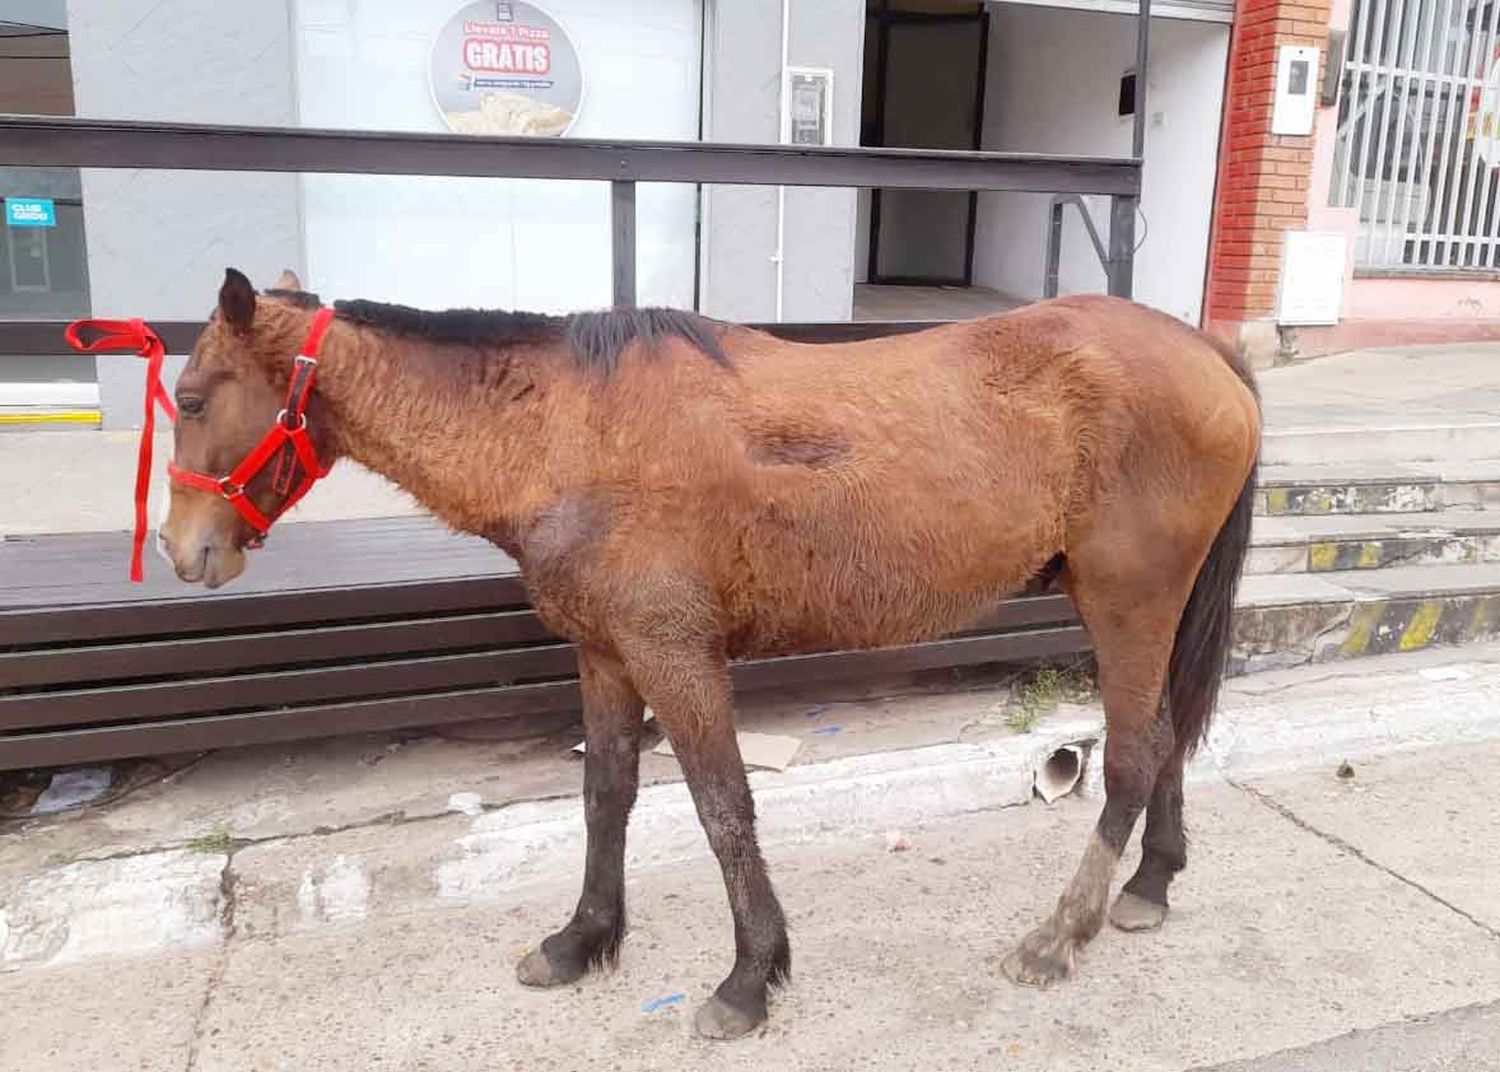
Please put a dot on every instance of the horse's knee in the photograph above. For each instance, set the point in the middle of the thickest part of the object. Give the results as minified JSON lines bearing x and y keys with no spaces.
{"x":609,"y":793}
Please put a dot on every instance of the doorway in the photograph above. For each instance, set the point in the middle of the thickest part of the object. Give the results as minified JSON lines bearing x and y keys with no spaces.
{"x":925,"y":64}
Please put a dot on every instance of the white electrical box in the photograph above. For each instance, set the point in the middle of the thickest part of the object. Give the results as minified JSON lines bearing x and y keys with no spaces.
{"x":1312,"y":277}
{"x":1296,"y":89}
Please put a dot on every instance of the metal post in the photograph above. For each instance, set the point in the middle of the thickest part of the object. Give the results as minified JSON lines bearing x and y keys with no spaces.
{"x":1054,"y":250}
{"x":1122,"y":208}
{"x":1122,"y":246}
{"x":622,"y":241}
{"x":1142,"y":43}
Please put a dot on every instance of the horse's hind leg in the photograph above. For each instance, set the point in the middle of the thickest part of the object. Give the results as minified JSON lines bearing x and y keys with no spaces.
{"x":1142,"y":904}
{"x":612,"y":716}
{"x":1132,"y":621}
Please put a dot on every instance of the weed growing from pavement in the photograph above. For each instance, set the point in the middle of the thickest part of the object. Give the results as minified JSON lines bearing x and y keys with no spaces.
{"x":217,"y":840}
{"x":1041,"y":693}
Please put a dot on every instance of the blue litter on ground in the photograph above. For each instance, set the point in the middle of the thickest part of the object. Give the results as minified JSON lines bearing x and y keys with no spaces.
{"x":663,"y":1002}
{"x":829,"y":729}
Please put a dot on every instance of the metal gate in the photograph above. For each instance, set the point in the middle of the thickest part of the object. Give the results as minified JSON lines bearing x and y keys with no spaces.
{"x":1419,"y":135}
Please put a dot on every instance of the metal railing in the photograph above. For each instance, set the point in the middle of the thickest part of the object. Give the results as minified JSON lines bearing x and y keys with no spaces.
{"x":45,"y":141}
{"x":37,"y":141}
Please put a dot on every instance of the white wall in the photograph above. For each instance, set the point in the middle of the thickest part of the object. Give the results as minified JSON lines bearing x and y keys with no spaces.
{"x":744,"y":60}
{"x":1054,"y":87}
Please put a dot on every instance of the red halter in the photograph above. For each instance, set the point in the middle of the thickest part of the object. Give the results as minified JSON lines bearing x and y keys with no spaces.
{"x":287,"y":437}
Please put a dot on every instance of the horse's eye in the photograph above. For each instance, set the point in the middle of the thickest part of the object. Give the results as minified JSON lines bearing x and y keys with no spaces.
{"x":190,"y":405}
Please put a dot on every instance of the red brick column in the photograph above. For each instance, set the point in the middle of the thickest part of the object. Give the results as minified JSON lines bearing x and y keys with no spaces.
{"x":1263,"y":177}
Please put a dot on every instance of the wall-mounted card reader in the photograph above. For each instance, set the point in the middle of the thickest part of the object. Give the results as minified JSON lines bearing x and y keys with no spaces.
{"x":1296,"y":89}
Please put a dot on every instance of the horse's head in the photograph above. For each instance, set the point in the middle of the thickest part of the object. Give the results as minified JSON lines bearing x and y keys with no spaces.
{"x":228,"y":396}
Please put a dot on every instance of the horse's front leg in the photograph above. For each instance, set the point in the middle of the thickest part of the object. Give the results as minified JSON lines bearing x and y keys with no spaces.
{"x":690,"y":692}
{"x":612,"y":714}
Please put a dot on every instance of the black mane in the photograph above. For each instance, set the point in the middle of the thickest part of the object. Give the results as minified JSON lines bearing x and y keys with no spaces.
{"x":596,"y":340}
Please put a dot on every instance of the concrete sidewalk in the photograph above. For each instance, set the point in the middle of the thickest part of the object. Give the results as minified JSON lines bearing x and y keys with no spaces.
{"x":321,"y":907}
{"x":1411,"y":385}
{"x":81,"y":481}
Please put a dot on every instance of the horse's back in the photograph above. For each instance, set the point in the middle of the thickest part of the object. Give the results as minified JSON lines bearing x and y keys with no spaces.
{"x":857,"y":494}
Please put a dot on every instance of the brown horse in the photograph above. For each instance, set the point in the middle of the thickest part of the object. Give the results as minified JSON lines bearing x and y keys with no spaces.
{"x":680,"y":493}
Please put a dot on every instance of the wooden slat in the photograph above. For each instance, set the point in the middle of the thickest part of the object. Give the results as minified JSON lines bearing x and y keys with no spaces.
{"x":955,"y":651}
{"x":1027,"y":610}
{"x":60,"y":747}
{"x":90,"y":569}
{"x":50,"y":748}
{"x":162,"y":699}
{"x":220,"y":613}
{"x":325,"y":684}
{"x":291,"y":647}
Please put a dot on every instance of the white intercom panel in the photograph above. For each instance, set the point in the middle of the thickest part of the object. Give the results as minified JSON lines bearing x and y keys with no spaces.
{"x":1296,"y":89}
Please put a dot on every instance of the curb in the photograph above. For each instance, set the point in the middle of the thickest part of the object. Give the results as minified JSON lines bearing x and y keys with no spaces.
{"x":856,"y":796}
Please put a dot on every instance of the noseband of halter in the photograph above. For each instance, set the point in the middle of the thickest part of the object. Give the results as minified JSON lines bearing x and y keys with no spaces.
{"x":286,"y":441}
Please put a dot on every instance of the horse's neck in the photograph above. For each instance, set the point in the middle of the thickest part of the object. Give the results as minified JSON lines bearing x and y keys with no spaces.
{"x":459,"y":448}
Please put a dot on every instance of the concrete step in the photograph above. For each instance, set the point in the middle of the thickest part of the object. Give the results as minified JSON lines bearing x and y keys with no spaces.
{"x":1377,"y":488}
{"x":1287,"y":619}
{"x":1337,"y":542}
{"x":1379,"y":444}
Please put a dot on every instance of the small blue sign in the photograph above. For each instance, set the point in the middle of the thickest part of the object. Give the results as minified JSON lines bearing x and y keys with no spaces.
{"x":30,"y":212}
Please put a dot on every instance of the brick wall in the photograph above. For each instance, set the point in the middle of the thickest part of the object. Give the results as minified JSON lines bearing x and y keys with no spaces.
{"x":1263,"y":177}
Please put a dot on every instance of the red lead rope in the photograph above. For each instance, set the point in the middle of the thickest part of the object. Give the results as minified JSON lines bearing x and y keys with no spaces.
{"x":136,"y":336}
{"x":286,"y":441}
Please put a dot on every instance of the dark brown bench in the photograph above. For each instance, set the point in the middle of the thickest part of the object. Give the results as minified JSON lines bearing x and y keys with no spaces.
{"x":338,"y":627}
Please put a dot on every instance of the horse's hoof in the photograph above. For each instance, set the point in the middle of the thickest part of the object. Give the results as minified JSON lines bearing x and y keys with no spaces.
{"x":538,"y":970}
{"x":1132,"y":913}
{"x":717,"y":1019}
{"x":1041,"y":960}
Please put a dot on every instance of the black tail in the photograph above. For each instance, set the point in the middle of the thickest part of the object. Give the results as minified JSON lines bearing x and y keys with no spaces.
{"x":1206,"y":631}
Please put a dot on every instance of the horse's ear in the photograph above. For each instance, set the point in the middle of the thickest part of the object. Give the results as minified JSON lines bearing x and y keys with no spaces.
{"x":287,"y":280}
{"x":237,"y":301}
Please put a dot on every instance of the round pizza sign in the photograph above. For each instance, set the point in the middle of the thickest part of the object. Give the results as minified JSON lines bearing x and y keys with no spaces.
{"x":506,"y":67}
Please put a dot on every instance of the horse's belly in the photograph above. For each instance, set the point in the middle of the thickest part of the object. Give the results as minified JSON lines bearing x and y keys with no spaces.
{"x":911,"y":550}
{"x":840,"y":612}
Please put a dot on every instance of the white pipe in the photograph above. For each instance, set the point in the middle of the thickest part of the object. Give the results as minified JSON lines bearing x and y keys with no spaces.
{"x":1059,"y":773}
{"x":780,"y":255}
